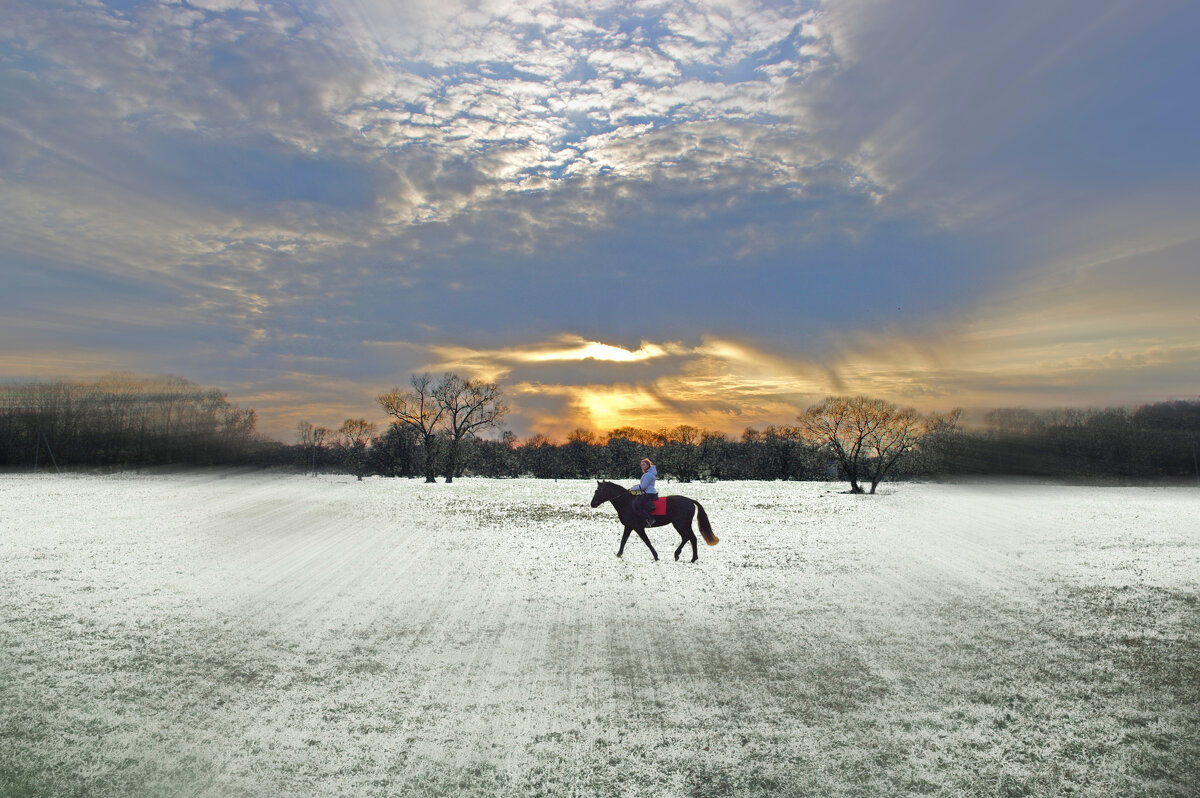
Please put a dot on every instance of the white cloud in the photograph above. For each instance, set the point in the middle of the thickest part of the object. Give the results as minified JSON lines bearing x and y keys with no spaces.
{"x":634,"y":63}
{"x":262,"y":158}
{"x":226,"y":5}
{"x":453,"y":105}
{"x":637,"y":85}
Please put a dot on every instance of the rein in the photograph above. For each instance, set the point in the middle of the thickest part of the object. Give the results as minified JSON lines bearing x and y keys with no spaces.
{"x":618,"y":493}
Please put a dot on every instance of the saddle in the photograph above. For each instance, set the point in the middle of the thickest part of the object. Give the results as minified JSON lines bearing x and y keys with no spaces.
{"x":659,"y":507}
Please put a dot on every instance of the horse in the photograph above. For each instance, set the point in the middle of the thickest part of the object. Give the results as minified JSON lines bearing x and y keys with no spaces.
{"x":680,"y":511}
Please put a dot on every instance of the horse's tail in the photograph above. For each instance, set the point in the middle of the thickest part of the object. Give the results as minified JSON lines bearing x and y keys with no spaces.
{"x":705,"y":527}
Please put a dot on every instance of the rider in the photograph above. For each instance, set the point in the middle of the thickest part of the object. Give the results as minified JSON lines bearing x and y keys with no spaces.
{"x":644,"y":503}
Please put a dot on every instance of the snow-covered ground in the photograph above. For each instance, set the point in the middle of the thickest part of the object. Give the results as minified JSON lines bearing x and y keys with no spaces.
{"x":218,"y":635}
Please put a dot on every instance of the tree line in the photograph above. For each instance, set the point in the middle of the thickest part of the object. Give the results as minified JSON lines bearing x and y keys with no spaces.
{"x":124,"y":421}
{"x":450,"y":427}
{"x":857,"y":439}
{"x":1154,"y":441}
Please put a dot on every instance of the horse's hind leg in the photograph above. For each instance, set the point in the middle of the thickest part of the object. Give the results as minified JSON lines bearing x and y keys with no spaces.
{"x":624,"y":538}
{"x":686,"y":536}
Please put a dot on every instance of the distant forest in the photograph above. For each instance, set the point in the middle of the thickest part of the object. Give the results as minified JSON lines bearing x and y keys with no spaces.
{"x":124,"y":421}
{"x":127,"y":422}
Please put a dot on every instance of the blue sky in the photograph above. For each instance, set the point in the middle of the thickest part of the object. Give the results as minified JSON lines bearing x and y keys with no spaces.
{"x":640,"y":213}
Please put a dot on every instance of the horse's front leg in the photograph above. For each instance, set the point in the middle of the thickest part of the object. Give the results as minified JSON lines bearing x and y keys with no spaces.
{"x":642,"y":534}
{"x":624,"y":538}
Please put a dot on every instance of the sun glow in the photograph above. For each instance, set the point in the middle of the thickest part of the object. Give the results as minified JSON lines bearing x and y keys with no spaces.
{"x":594,"y":350}
{"x":610,"y":407}
{"x":495,"y":364}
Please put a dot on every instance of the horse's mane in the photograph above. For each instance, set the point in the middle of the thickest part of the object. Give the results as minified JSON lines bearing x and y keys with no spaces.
{"x":613,"y":488}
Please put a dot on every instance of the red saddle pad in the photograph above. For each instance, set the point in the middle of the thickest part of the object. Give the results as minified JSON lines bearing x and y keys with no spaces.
{"x":660,"y":506}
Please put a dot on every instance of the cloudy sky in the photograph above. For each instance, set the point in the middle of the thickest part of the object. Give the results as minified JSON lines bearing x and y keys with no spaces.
{"x":642,"y":213}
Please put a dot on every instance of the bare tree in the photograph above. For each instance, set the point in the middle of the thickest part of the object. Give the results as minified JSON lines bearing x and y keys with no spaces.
{"x":868,"y":437}
{"x":898,"y":432}
{"x":581,"y":453}
{"x":642,"y":437}
{"x":467,"y":406}
{"x":352,"y":440}
{"x":319,"y":436}
{"x":942,"y":444}
{"x":420,"y":409}
{"x":680,"y":453}
{"x":305,"y":439}
{"x":312,"y":440}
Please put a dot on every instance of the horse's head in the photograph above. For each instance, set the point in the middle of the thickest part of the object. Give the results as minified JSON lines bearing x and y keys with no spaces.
{"x":605,"y":491}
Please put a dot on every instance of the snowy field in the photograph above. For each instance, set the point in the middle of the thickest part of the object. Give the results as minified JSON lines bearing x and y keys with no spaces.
{"x":223,"y":635}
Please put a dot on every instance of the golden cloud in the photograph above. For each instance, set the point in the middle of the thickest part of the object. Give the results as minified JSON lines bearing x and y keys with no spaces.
{"x":1086,"y":334}
{"x":496,"y":364}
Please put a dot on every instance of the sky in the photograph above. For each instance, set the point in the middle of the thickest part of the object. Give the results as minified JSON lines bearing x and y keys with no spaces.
{"x":626,"y":213}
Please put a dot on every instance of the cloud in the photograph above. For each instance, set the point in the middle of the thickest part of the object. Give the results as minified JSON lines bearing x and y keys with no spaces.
{"x":567,"y":348}
{"x":568,"y":382}
{"x":1002,"y":115}
{"x":775,"y":200}
{"x":223,"y":140}
{"x":578,"y":100}
{"x":1114,"y":327}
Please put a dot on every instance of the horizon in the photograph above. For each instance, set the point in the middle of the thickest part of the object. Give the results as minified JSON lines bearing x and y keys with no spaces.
{"x":644,"y":215}
{"x":970,"y":420}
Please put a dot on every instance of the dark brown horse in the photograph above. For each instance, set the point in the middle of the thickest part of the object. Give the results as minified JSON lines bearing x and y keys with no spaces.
{"x":680,"y":511}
